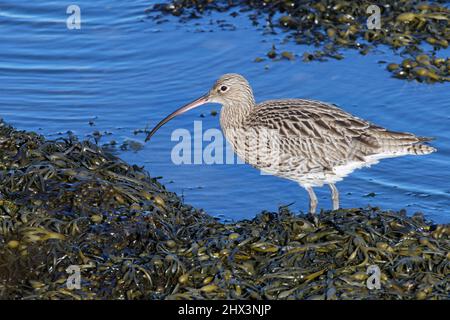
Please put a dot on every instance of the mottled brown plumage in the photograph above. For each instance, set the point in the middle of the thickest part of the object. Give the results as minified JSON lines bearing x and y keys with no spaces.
{"x":308,"y":141}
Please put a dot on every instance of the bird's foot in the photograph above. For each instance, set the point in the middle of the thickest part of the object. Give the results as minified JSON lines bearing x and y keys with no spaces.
{"x":313,"y":218}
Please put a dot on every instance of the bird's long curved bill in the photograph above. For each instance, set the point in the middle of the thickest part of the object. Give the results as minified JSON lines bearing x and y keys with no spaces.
{"x":189,"y":106}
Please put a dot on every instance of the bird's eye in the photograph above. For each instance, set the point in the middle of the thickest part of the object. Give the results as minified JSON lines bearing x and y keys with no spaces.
{"x":223,"y":88}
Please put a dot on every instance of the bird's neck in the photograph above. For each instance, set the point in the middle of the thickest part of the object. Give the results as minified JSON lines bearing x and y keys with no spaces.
{"x":233,"y":115}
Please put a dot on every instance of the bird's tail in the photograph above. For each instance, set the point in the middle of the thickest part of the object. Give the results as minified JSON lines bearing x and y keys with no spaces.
{"x":420,"y":149}
{"x":403,"y":143}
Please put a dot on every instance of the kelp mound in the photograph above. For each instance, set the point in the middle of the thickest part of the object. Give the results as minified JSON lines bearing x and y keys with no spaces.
{"x":409,"y":27}
{"x":68,"y":203}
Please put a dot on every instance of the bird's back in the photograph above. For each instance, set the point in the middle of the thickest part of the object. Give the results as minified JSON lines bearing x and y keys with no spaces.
{"x":322,"y":137}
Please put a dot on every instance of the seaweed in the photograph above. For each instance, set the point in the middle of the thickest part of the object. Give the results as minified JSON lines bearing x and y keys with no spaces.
{"x":66,"y":203}
{"x":408,"y":27}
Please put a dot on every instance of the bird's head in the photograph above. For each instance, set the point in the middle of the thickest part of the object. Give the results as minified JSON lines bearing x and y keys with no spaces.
{"x":229,"y":89}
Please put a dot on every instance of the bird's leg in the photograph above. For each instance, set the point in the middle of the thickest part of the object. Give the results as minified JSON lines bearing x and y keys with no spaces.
{"x":334,"y":196}
{"x":312,"y":200}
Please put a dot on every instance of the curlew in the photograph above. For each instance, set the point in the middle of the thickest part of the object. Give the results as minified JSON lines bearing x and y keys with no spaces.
{"x":310,"y":142}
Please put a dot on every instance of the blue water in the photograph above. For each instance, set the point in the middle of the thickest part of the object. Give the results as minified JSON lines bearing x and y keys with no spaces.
{"x":122,"y":71}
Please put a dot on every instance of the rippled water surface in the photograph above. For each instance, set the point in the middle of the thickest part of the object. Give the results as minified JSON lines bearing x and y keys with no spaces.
{"x":123,"y":72}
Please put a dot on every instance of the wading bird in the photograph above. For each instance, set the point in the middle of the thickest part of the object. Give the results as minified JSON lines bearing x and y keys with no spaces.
{"x":307,"y":141}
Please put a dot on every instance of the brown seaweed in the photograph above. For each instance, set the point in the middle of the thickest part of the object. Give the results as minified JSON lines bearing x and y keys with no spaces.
{"x":407,"y":27}
{"x":67,"y":202}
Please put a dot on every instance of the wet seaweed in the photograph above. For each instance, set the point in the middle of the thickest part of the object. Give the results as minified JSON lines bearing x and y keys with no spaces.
{"x":409,"y":27}
{"x":67,"y":202}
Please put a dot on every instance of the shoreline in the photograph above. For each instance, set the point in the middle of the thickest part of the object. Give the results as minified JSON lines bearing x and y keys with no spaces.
{"x":67,"y":202}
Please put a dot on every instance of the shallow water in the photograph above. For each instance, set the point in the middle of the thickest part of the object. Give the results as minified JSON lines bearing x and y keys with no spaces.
{"x":122,"y":72}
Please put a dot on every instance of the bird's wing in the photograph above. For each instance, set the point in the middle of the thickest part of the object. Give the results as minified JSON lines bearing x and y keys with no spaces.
{"x":322,"y":133}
